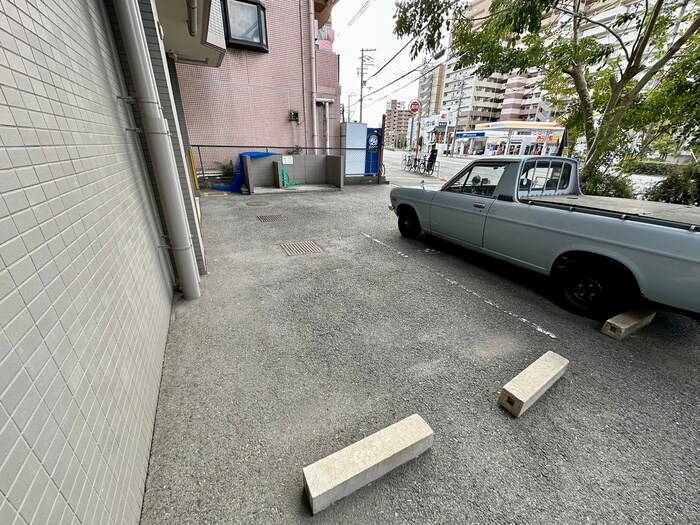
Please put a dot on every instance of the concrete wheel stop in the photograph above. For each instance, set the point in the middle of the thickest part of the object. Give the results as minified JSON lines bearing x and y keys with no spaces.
{"x":521,"y":392}
{"x":627,"y":323}
{"x":365,"y":461}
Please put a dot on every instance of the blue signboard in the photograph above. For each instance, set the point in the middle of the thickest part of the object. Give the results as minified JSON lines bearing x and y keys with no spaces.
{"x":374,"y":145}
{"x":470,"y":134}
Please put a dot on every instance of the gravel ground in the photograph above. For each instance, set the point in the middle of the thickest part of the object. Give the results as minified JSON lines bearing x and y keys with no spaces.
{"x":284,"y":360}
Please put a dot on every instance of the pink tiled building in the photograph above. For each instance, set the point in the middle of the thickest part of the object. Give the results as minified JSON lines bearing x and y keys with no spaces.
{"x":278,"y":83}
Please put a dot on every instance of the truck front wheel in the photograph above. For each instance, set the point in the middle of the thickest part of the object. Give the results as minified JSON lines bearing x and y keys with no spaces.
{"x":594,"y":290}
{"x":409,"y":225}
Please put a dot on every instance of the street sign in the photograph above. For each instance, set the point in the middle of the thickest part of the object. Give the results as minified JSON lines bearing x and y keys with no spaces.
{"x":414,"y":106}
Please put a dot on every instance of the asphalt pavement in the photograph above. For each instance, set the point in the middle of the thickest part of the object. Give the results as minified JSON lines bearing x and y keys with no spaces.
{"x":286,"y":359}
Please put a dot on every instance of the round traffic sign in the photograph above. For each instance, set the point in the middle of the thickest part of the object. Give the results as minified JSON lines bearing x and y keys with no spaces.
{"x":414,"y":106}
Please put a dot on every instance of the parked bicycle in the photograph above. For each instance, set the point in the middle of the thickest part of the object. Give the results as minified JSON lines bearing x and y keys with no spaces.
{"x":411,"y":162}
{"x":408,"y":162}
{"x":414,"y":162}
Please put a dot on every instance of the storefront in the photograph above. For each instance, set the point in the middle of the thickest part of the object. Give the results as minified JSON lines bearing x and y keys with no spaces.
{"x":513,"y":137}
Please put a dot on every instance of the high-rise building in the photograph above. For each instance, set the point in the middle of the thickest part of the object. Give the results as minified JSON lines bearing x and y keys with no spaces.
{"x":396,"y":126}
{"x":430,"y":88}
{"x":466,"y":98}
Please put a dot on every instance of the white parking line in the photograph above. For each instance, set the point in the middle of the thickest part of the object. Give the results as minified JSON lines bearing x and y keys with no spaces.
{"x":472,"y":292}
{"x":496,"y":306}
{"x":385,"y":245}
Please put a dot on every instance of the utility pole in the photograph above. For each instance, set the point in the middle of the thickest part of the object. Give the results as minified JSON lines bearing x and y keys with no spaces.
{"x":349,"y":106}
{"x":459,"y":109}
{"x":363,"y":66}
{"x":380,"y":170}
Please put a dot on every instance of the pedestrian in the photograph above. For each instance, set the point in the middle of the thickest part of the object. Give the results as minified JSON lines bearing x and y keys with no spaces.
{"x":432,"y":157}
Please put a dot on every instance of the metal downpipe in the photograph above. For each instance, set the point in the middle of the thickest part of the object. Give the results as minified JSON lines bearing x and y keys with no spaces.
{"x":155,"y":128}
{"x":327,"y":119}
{"x":312,"y":40}
{"x":192,"y":24}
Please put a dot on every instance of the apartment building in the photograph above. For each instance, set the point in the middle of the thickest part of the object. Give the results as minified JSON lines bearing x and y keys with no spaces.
{"x":524,"y":99}
{"x":470,"y":99}
{"x":430,"y":88}
{"x":396,"y":127}
{"x":467,"y":98}
{"x":98,"y":228}
{"x":278,"y":85}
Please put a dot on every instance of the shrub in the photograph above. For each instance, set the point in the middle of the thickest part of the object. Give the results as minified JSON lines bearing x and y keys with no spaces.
{"x":649,"y":167}
{"x":228,"y":169}
{"x":678,"y":188}
{"x":608,"y":185}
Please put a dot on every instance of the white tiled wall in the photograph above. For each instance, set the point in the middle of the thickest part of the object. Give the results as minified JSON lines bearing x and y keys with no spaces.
{"x":85,"y":292}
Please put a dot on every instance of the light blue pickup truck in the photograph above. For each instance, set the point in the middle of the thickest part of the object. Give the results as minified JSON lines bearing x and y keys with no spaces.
{"x":604,"y":254}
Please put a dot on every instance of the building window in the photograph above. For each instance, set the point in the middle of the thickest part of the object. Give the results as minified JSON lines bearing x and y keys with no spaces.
{"x":246,"y":26}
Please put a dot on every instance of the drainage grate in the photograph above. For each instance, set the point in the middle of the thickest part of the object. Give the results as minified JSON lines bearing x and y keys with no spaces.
{"x":271,"y":218}
{"x":301,"y":248}
{"x":256,"y":203}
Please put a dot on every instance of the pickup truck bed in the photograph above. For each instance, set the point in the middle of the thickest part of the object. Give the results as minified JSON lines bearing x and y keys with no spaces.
{"x":673,"y":215}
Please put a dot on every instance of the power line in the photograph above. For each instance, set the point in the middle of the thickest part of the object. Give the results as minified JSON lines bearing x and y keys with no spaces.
{"x":391,"y":59}
{"x":360,"y":12}
{"x":398,"y":79}
{"x":401,"y":78}
{"x":398,"y":52}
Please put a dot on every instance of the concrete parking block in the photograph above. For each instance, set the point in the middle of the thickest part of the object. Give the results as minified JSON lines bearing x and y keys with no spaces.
{"x":365,"y":461}
{"x":521,"y":392}
{"x":627,"y":323}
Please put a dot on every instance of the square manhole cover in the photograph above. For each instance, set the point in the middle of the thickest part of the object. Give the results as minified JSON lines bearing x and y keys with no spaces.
{"x":301,"y":248}
{"x":271,"y":218}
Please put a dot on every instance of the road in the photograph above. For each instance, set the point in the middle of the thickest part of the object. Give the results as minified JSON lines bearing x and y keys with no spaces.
{"x":284,"y":360}
{"x":446,"y":167}
{"x":449,"y":166}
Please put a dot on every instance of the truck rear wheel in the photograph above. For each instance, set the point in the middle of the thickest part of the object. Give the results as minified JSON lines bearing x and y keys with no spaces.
{"x":409,"y":225}
{"x":595,"y":290}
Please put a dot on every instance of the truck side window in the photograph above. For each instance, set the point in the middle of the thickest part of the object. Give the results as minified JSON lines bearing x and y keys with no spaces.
{"x":540,"y":175}
{"x":480,"y":180}
{"x":526,"y":178}
{"x":458,"y":184}
{"x":565,"y":177}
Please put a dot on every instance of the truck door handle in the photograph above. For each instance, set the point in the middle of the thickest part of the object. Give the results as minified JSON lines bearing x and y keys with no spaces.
{"x":479,"y":205}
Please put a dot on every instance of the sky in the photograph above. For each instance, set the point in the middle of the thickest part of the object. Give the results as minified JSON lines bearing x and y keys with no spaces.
{"x":372,"y":30}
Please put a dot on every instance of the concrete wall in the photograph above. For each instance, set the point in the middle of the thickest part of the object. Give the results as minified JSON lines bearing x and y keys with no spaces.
{"x":246,"y":102}
{"x":335,"y":171}
{"x":85,"y":292}
{"x":305,"y":169}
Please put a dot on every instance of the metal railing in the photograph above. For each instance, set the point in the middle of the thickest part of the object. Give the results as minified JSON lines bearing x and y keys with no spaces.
{"x":215,"y":164}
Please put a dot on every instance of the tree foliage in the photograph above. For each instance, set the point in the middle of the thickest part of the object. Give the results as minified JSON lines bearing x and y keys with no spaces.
{"x":606,"y":83}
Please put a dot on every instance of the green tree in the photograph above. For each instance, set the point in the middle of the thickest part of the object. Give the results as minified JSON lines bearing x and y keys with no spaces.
{"x":604,"y":79}
{"x":669,"y":114}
